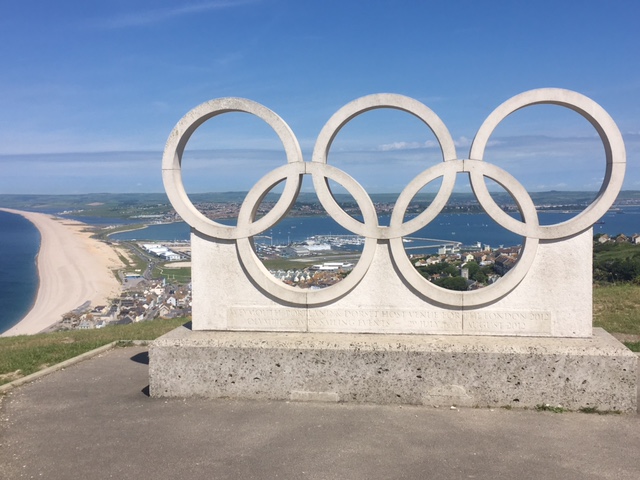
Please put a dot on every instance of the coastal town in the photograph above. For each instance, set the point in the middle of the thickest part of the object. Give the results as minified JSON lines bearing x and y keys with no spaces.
{"x":146,"y":295}
{"x":147,"y":301}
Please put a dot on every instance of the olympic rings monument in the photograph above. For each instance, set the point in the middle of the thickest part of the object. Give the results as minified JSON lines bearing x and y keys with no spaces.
{"x":385,"y":334}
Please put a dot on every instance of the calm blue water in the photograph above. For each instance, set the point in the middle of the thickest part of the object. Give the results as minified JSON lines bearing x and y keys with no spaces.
{"x":465,"y":228}
{"x":19,"y":242}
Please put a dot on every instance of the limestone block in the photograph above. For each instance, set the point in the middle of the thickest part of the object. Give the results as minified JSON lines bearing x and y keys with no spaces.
{"x":597,"y":372}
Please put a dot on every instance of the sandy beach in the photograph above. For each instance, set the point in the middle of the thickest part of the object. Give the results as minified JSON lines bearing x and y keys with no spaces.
{"x":73,"y":269}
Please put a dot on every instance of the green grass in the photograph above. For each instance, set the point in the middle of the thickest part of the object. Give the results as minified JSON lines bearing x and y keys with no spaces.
{"x":300,"y":263}
{"x":560,"y":409}
{"x":138,"y":262}
{"x":616,"y":308}
{"x":180,"y":275}
{"x":103,"y":234}
{"x":614,"y":251}
{"x":550,"y":408}
{"x":599,"y":412}
{"x":286,"y":264}
{"x":633,"y":346}
{"x":122,"y":258}
{"x":30,"y":353}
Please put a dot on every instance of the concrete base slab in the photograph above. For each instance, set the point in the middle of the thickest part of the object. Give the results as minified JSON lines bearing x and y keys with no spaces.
{"x":597,"y":372}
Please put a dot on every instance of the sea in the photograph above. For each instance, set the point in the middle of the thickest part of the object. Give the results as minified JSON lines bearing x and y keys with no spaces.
{"x":20,"y":241}
{"x":19,"y":244}
{"x":465,"y":228}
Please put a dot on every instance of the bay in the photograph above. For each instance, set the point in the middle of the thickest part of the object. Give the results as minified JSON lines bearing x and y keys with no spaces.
{"x":20,"y":242}
{"x":467,"y":228}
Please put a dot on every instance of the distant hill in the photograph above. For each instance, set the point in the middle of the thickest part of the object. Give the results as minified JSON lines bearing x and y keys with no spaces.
{"x":117,"y":204}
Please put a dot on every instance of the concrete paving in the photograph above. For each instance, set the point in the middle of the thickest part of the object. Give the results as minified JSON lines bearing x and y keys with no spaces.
{"x":95,"y":420}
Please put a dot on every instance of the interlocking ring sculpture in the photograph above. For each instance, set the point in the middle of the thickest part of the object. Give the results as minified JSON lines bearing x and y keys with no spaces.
{"x":321,"y":171}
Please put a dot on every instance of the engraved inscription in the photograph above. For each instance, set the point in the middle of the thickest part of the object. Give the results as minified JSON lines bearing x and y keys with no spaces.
{"x":507,"y":322}
{"x":374,"y":319}
{"x":353,"y":320}
{"x":266,"y":318}
{"x":367,"y":320}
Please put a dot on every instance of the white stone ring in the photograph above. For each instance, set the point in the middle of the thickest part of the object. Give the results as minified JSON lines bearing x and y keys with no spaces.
{"x":369,"y":228}
{"x":172,"y":168}
{"x":614,"y":152}
{"x":481,"y":296}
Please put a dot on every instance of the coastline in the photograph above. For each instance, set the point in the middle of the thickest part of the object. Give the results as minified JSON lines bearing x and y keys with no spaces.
{"x":73,"y":268}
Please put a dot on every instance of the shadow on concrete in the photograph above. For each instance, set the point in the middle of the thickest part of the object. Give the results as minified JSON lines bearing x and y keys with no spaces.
{"x":142,"y":357}
{"x":145,"y":391}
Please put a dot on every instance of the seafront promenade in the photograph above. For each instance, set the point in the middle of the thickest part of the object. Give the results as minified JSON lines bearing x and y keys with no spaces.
{"x":95,"y":420}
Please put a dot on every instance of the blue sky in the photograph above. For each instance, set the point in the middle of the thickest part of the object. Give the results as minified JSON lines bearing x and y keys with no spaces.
{"x":89,"y":91}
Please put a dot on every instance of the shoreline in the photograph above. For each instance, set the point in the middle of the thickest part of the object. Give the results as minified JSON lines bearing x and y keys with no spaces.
{"x":72,"y":269}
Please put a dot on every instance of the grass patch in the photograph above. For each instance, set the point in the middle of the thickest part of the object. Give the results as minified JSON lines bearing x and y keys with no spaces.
{"x":633,"y":346}
{"x":286,"y":264}
{"x":616,"y":308}
{"x":599,"y":412}
{"x":138,"y":258}
{"x":123,"y":259}
{"x":179,"y":275}
{"x":30,"y":353}
{"x":550,"y":408}
{"x":301,"y":263}
{"x":103,"y":234}
{"x":614,"y":251}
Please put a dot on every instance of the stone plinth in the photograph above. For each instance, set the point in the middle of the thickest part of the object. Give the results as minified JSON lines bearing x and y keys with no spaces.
{"x":554,"y":299}
{"x":480,"y":371}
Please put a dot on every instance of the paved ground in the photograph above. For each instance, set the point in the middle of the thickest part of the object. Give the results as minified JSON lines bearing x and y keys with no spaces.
{"x":94,"y":420}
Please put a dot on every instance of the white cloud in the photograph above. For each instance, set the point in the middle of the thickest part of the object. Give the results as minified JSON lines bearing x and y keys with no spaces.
{"x":558,"y":186}
{"x":399,"y":146}
{"x":138,"y":19}
{"x":462,"y":142}
{"x":388,"y":147}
